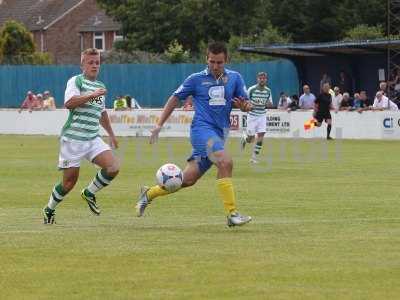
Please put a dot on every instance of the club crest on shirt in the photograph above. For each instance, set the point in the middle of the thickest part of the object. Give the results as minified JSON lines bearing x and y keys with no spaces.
{"x":225,"y":79}
{"x":217,"y":95}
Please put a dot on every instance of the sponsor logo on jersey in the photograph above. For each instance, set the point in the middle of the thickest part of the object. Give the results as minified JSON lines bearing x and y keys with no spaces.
{"x":217,"y":95}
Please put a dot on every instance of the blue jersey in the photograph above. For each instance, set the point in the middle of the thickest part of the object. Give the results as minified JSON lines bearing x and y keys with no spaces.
{"x":212,"y":98}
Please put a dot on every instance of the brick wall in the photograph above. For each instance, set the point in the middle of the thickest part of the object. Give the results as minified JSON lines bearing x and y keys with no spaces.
{"x":63,"y":38}
{"x":87,"y":40}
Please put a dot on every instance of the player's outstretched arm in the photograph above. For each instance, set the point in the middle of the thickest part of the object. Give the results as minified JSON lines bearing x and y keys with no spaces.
{"x":169,"y":107}
{"x":78,"y":100}
{"x":106,"y":124}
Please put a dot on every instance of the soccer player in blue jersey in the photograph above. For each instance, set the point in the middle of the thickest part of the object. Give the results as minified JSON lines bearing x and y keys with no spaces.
{"x":215,"y":91}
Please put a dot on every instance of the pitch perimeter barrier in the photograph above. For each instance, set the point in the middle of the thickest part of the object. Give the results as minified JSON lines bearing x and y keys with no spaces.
{"x":280,"y":124}
{"x":150,"y":84}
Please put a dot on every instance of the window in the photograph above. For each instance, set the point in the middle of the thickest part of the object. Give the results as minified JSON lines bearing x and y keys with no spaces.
{"x":98,"y":41}
{"x":118,"y":36}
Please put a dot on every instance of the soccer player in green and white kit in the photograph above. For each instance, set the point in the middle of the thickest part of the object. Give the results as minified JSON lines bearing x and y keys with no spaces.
{"x":85,"y":99}
{"x":259,"y":96}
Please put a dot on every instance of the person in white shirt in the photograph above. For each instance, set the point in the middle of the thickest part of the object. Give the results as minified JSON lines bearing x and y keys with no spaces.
{"x":307,"y":99}
{"x":284,"y":101}
{"x":382,"y":102}
{"x":132,"y":103}
{"x":336,"y":99}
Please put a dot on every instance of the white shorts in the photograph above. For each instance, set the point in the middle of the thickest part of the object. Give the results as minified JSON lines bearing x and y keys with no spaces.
{"x":72,"y":152}
{"x":256,"y":124}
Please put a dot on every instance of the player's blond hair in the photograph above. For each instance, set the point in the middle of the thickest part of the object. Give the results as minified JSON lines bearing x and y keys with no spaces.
{"x":89,"y":51}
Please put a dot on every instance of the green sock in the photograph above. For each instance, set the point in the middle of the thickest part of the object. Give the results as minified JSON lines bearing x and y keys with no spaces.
{"x":101,"y":180}
{"x":57,"y":195}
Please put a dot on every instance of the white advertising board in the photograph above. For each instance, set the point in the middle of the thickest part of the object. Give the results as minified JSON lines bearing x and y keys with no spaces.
{"x":280,"y":124}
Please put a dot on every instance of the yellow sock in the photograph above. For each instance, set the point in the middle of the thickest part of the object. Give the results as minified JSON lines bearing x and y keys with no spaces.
{"x":225,"y":187}
{"x":156,"y":191}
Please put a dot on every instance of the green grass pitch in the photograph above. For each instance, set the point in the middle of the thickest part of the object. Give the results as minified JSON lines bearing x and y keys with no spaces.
{"x":326,"y":226}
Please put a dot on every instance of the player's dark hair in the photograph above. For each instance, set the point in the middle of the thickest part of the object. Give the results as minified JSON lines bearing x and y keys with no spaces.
{"x":217,"y":48}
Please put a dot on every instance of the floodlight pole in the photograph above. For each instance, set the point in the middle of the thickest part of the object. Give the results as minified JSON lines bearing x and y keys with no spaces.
{"x":388,"y":31}
{"x":392,"y":32}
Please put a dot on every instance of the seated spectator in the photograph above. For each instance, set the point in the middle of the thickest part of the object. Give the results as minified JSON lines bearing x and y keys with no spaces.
{"x":383,"y":88}
{"x":284,"y":101}
{"x":367,"y":102}
{"x":120,"y":103}
{"x":294,"y":105}
{"x":307,"y":99}
{"x":357,"y":102}
{"x":345,"y":104}
{"x":132,"y":103}
{"x":361,"y":102}
{"x":48,"y":101}
{"x":38,"y":103}
{"x":28,"y":102}
{"x":336,"y":98}
{"x":382,"y":102}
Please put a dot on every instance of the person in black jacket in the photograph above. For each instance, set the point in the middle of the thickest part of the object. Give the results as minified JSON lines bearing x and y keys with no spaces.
{"x":323,"y":105}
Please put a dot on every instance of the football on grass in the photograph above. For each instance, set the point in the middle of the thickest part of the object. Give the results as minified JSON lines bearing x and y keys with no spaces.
{"x":170,"y":177}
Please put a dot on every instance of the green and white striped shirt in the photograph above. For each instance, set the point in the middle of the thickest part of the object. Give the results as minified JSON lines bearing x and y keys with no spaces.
{"x":259,"y":97}
{"x":83,"y":122}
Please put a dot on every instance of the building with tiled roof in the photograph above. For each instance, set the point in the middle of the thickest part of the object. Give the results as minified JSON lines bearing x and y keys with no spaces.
{"x":63,"y":28}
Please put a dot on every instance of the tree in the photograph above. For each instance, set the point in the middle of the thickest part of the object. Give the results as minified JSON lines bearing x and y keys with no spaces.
{"x":176,"y":54}
{"x":364,"y":32}
{"x":17,"y":40}
{"x":319,"y":20}
{"x":154,"y":25}
{"x":17,"y":46}
{"x":269,"y":35}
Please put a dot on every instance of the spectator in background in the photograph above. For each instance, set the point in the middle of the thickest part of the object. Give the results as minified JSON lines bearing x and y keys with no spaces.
{"x":383,"y":88}
{"x":358,"y":103}
{"x":394,"y":82}
{"x":38,"y":104}
{"x":361,"y":102}
{"x":132,"y":102}
{"x":48,"y":101}
{"x":336,"y":98}
{"x":345,"y":83}
{"x":294,"y":105}
{"x":28,"y":102}
{"x":367,"y":102}
{"x":120,"y":103}
{"x":382,"y":102}
{"x":307,"y":99}
{"x":284,"y":101}
{"x":325,"y":79}
{"x":345,"y":104}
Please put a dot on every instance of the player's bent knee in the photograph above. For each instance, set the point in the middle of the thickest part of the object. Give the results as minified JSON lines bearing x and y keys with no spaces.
{"x":113,"y":173}
{"x":69,"y":183}
{"x":113,"y":169}
{"x":225,"y":164}
{"x":188,"y":182}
